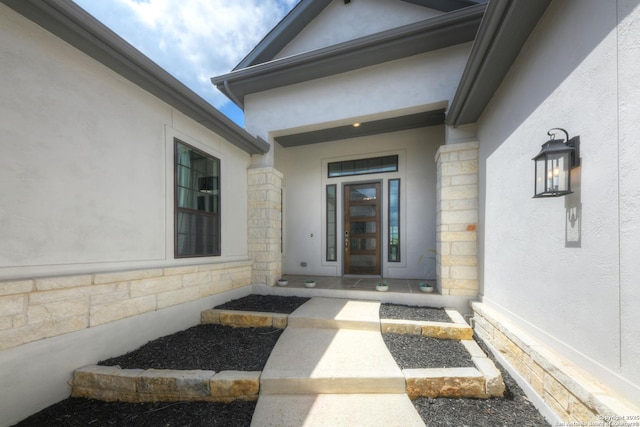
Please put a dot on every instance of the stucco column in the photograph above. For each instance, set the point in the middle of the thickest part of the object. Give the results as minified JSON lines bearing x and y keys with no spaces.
{"x":264,"y":224}
{"x":457,"y":207}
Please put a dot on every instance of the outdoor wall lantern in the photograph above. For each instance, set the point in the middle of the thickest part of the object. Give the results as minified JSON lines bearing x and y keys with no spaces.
{"x":554,"y":163}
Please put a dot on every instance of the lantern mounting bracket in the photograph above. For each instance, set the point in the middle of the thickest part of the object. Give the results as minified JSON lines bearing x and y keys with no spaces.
{"x":569,"y":142}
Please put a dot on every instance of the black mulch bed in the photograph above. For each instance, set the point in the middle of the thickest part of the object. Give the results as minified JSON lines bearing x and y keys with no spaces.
{"x":208,"y":347}
{"x":513,"y":410}
{"x":265,"y":303}
{"x":415,"y":352}
{"x":398,"y":311}
{"x":76,"y":412}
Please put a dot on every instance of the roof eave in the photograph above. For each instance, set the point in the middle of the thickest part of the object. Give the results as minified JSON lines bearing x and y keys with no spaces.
{"x":435,"y":33}
{"x":305,"y":11}
{"x":505,"y":28}
{"x":71,"y":23}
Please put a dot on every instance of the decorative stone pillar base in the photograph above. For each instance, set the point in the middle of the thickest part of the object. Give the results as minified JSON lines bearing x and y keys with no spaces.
{"x":457,"y":189}
{"x":265,"y":224}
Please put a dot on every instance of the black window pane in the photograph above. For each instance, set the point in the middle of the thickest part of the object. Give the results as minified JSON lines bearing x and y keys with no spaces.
{"x":331,"y":254}
{"x":348,"y":167}
{"x":197,"y":234}
{"x":375,"y":165}
{"x":394,"y":220}
{"x":390,"y":164}
{"x":363,"y":166}
{"x":335,"y":169}
{"x":197,"y":202}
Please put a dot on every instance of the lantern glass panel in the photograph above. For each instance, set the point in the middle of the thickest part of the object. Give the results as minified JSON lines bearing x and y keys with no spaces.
{"x":552,"y":174}
{"x":541,"y":181}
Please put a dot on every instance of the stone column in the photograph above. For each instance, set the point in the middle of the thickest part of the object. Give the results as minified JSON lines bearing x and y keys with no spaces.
{"x":265,"y":224}
{"x":457,"y":206}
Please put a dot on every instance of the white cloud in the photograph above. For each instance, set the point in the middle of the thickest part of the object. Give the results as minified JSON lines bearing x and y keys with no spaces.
{"x":192,"y":39}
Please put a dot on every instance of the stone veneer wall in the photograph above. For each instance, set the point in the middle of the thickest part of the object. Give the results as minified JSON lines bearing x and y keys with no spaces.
{"x":575,"y":396}
{"x":457,"y":218}
{"x":40,"y":308}
{"x":265,"y":224}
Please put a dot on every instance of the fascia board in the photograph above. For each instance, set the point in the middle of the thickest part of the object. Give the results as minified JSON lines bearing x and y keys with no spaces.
{"x":71,"y":23}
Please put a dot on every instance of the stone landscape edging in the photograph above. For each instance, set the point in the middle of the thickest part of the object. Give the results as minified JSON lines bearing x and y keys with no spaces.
{"x":483,"y":381}
{"x":441,"y":330}
{"x":111,"y":383}
{"x":244,"y":319}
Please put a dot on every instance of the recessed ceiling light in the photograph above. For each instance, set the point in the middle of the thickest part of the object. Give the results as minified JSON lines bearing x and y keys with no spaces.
{"x":356,"y":125}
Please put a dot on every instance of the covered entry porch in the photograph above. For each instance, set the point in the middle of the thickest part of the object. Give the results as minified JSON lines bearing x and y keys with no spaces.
{"x":303,"y":209}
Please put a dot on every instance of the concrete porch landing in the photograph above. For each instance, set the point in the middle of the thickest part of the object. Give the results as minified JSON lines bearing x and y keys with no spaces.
{"x":331,"y":367}
{"x":401,"y":291}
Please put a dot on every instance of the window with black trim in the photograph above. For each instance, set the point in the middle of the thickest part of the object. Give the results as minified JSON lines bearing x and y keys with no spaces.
{"x":394,"y":220}
{"x":332,"y":224}
{"x":363,"y":166}
{"x":197,"y":202}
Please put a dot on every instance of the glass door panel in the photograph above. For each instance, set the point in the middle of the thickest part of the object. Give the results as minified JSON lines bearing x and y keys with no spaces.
{"x":362,"y":229}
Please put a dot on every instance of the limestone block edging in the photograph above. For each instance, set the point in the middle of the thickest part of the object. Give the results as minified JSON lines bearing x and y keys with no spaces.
{"x":441,"y":330}
{"x":111,"y":383}
{"x":444,"y":382}
{"x":483,"y":381}
{"x":244,"y":319}
{"x":570,"y":392}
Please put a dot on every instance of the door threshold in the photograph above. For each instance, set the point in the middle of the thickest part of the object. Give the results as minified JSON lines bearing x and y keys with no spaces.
{"x":361,"y":276}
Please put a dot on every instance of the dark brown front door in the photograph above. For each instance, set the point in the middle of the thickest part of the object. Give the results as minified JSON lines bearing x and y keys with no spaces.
{"x":362,"y":229}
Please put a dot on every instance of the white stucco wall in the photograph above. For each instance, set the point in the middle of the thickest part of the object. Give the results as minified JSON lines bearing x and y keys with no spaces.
{"x":572,"y":284}
{"x":305,"y":172}
{"x":628,"y":33}
{"x":419,"y":83}
{"x":86,"y":167}
{"x":353,"y":20}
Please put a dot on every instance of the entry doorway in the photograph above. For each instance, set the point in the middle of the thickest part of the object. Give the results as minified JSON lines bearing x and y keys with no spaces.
{"x":362,"y":229}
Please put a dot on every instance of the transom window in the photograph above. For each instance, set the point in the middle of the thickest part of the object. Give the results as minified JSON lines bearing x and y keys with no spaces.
{"x":197,"y":202}
{"x":363,"y":166}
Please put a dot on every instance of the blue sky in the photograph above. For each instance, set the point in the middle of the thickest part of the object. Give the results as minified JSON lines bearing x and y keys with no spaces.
{"x":193,"y":40}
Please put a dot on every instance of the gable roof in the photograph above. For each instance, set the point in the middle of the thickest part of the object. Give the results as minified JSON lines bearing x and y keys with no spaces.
{"x":306,"y":11}
{"x":442,"y":31}
{"x":502,"y":29}
{"x":71,"y":23}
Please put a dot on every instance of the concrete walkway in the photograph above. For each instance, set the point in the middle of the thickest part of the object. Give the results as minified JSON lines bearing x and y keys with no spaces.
{"x":331,"y":367}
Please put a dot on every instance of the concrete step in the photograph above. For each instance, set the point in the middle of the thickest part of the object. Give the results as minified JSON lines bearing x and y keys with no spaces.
{"x":311,"y":410}
{"x":335,"y":361}
{"x":334,"y":313}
